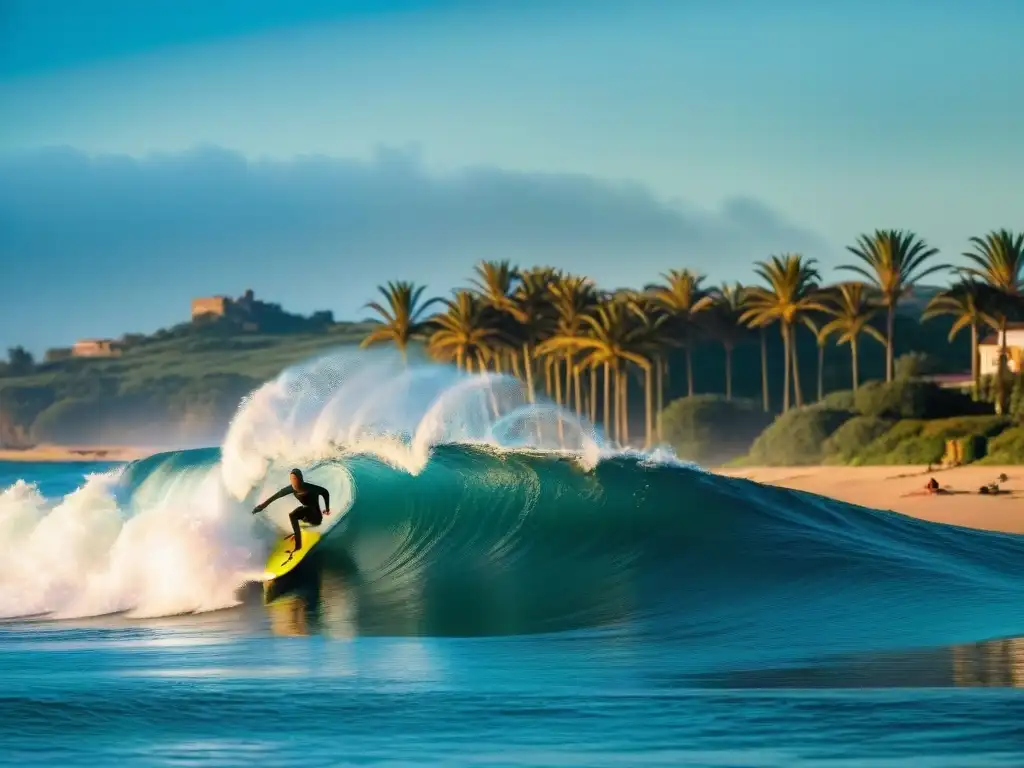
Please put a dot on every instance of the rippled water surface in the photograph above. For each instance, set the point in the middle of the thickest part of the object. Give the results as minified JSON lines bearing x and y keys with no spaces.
{"x":481,"y":598}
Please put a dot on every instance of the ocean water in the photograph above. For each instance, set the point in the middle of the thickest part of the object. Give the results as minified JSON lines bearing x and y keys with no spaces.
{"x":498,"y":587}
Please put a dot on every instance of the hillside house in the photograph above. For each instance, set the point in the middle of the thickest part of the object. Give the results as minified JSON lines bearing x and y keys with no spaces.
{"x":989,"y":347}
{"x":216,"y":306}
{"x":94,"y":348}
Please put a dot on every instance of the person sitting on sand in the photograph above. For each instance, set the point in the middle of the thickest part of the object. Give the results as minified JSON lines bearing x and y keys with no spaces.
{"x":930,"y":488}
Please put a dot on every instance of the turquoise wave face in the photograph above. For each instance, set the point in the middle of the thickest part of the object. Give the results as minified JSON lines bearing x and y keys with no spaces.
{"x":466,"y":509}
{"x":495,"y":542}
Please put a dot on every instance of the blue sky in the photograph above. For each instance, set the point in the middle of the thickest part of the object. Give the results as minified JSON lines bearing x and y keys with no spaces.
{"x":154,"y":151}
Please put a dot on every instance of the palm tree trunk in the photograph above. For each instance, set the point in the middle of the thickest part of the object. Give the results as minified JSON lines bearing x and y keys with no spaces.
{"x":528,"y":368}
{"x":592,"y":375}
{"x":577,"y":376}
{"x":975,"y":363}
{"x":404,"y":353}
{"x":481,"y":363}
{"x":689,"y":372}
{"x":624,"y":396}
{"x":728,"y":372}
{"x":513,"y":358}
{"x":607,"y":400}
{"x":821,"y":371}
{"x":765,"y":404}
{"x":1001,"y":369}
{"x":853,"y":355}
{"x":649,"y":404}
{"x":458,"y":359}
{"x":785,"y":367}
{"x":660,"y":381}
{"x":557,"y":373}
{"x":797,"y":389}
{"x":570,"y":389}
{"x":547,"y":377}
{"x":890,"y":326}
{"x":617,"y":415}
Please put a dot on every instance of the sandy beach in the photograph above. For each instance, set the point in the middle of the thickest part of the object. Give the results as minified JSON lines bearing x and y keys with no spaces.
{"x":75,"y":453}
{"x":898,"y":489}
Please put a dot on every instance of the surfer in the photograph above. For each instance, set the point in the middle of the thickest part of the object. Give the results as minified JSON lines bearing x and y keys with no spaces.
{"x":309,"y":511}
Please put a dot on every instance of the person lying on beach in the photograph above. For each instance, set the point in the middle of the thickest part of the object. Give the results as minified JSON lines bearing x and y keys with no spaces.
{"x":993,"y":488}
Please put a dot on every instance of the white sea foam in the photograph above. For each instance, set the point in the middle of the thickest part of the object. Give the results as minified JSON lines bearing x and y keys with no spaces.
{"x":183,"y":539}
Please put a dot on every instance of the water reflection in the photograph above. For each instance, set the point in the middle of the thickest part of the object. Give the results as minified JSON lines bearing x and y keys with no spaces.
{"x":992,"y":663}
{"x":996,"y":663}
{"x":317,"y":602}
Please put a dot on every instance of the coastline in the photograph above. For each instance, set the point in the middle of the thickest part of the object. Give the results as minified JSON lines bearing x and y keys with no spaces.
{"x":68,"y":453}
{"x":899,"y":489}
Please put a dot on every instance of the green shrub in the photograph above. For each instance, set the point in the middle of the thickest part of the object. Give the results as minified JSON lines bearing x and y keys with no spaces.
{"x":708,"y":429}
{"x":912,"y":364}
{"x":797,"y":436}
{"x":1006,"y":448}
{"x":879,"y":450}
{"x":843,"y":400}
{"x":852,"y":438}
{"x":902,"y":399}
{"x":923,"y":449}
{"x":915,"y":441}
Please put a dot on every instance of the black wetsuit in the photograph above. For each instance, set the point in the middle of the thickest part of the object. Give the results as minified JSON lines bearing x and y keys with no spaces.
{"x":309,"y":512}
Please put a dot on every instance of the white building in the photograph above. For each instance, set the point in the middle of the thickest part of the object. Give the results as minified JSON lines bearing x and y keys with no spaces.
{"x":989,"y":347}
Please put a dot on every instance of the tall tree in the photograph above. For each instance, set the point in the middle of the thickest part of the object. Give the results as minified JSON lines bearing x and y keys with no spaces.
{"x":532,"y":310}
{"x":682,"y":298}
{"x":618,"y":337}
{"x":572,"y":297}
{"x":965,"y":302}
{"x":404,"y":318}
{"x":495,"y":282}
{"x":466,"y":332}
{"x":790,"y":293}
{"x":892,"y":261}
{"x":997,"y":260}
{"x":725,"y":325}
{"x":851,"y":309}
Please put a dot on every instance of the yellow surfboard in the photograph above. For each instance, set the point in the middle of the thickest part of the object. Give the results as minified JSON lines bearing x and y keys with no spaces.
{"x":281,"y":561}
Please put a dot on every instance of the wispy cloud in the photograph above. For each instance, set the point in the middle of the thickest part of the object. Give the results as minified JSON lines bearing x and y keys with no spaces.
{"x":200,"y":220}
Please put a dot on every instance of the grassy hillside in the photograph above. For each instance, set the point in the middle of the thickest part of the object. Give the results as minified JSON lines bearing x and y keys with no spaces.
{"x":169,"y":388}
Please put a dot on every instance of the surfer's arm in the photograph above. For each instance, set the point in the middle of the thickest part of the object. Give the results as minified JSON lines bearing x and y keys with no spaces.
{"x":323,"y":492}
{"x":279,"y":495}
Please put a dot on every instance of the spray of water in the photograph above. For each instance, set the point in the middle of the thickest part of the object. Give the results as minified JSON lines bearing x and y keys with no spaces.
{"x":183,"y":540}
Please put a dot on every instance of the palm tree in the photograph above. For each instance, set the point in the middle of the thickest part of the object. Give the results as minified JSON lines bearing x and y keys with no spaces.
{"x":403,"y":319}
{"x":893,"y":261}
{"x":790,"y":294}
{"x":682,"y":298}
{"x":572,"y":297}
{"x":466,"y":332}
{"x":726,"y":326}
{"x":618,"y":336}
{"x":851,"y":309}
{"x":494,"y":282}
{"x":996,"y":260}
{"x":531,"y":308}
{"x":965,"y":302}
{"x":821,"y":337}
